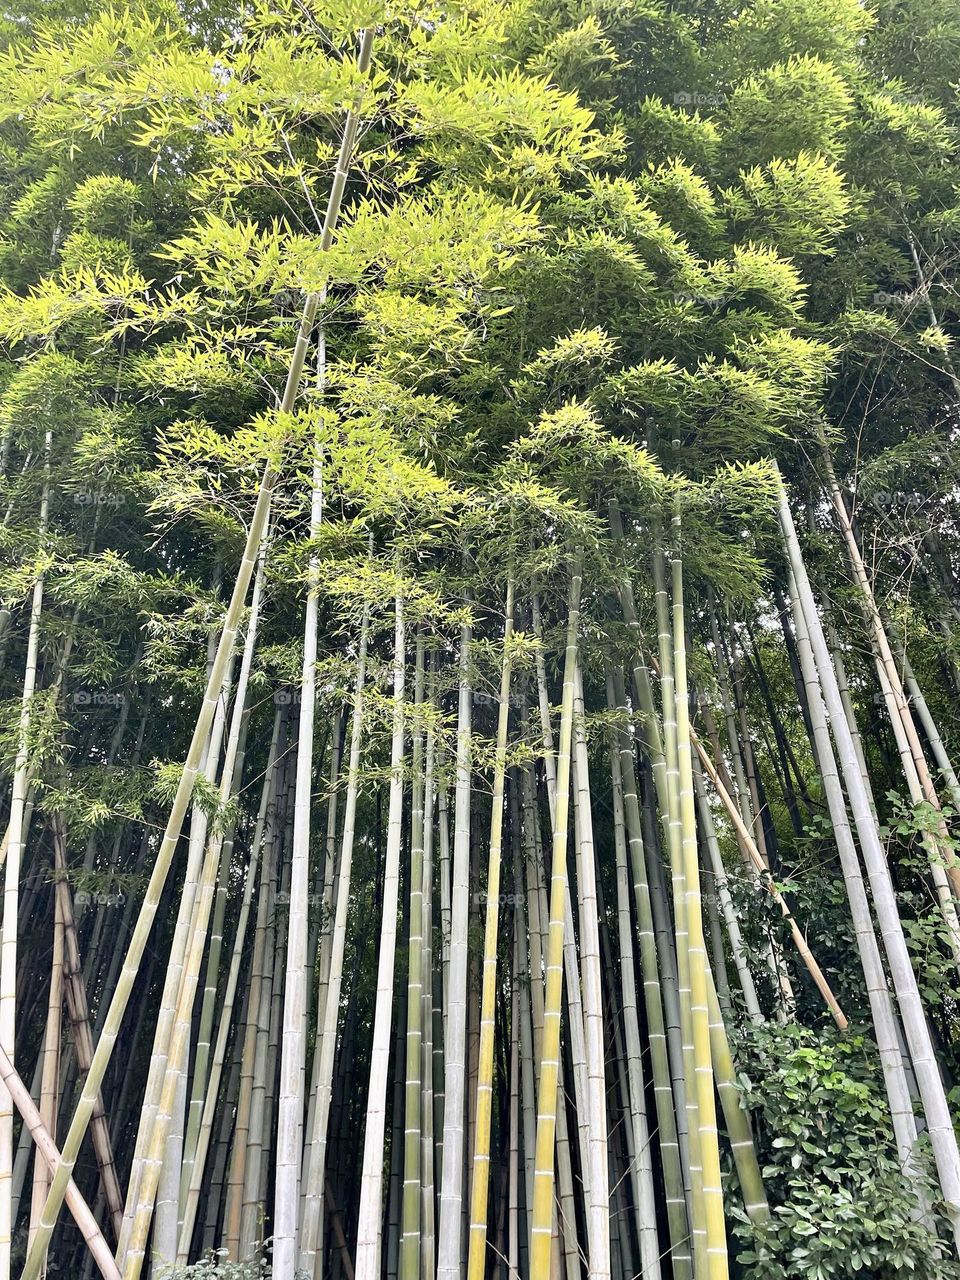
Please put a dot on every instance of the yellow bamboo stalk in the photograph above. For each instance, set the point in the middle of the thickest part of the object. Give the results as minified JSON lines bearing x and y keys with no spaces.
{"x":479,"y":1191}
{"x":541,"y":1225}
{"x":715,"y":1253}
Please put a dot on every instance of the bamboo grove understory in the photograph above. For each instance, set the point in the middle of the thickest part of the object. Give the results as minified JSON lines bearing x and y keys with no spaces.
{"x":478,"y":640}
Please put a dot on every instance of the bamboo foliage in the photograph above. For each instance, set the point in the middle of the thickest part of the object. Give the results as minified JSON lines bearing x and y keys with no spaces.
{"x":560,"y":992}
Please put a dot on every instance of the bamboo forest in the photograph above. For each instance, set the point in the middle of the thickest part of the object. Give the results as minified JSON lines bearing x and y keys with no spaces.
{"x":480,"y":639}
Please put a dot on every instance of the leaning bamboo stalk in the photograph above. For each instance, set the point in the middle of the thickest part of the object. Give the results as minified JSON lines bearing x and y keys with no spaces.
{"x":175,"y":961}
{"x":916,"y":771}
{"x":369,"y":1221}
{"x":936,"y":1108}
{"x":205,"y":1125}
{"x":881,"y":1004}
{"x":173,"y":1092}
{"x":816,"y":973}
{"x":11,"y":886}
{"x":232,"y":768}
{"x":571,"y":958}
{"x":479,"y":1191}
{"x":730,"y":917}
{"x":78,"y":1011}
{"x":185,"y":787}
{"x":157,"y":1189}
{"x":735,"y":1117}
{"x":541,"y":1229}
{"x":47,"y":1148}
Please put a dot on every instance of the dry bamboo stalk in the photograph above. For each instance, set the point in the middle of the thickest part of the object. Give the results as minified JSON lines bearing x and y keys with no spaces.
{"x":47,"y":1148}
{"x":816,"y":973}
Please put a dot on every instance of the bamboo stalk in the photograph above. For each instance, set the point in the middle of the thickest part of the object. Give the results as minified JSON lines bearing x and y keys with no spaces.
{"x":410,"y":1227}
{"x":936,"y":1108}
{"x":476,"y":1257}
{"x":541,"y":1229}
{"x":369,"y":1224}
{"x":47,"y":1148}
{"x":11,"y":892}
{"x":715,"y":1244}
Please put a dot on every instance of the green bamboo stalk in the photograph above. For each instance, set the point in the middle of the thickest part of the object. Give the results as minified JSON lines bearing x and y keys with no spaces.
{"x":410,"y":1222}
{"x":623,"y":770}
{"x":715,"y":1245}
{"x":678,"y":878}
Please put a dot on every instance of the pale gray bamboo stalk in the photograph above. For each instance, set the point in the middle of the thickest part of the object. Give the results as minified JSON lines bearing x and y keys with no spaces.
{"x":310,"y":1237}
{"x":541,"y":1230}
{"x":11,"y":891}
{"x":205,"y":1124}
{"x":369,"y":1221}
{"x":427,"y":1197}
{"x":936,"y":1109}
{"x":293,"y":1048}
{"x":449,"y":1246}
{"x":878,"y":993}
{"x":232,"y":769}
{"x":599,"y":1207}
